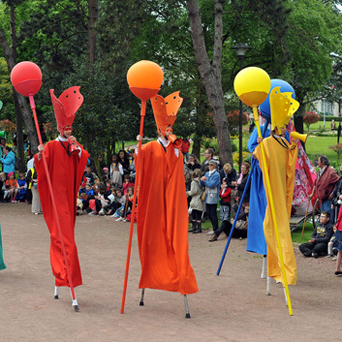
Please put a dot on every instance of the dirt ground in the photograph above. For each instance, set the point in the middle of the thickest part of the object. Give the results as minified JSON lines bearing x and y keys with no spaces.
{"x":230,"y":307}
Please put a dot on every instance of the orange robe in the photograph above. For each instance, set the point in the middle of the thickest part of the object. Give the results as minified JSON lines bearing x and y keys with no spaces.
{"x":66,"y":175}
{"x":281,"y":162}
{"x":163,"y":221}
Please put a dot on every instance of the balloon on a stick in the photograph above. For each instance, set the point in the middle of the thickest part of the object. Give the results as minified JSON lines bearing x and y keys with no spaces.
{"x":252,"y":86}
{"x":144,"y":79}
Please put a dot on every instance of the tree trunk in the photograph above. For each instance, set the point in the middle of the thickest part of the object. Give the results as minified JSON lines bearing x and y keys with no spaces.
{"x":211,"y":74}
{"x":19,"y":119}
{"x":93,"y":10}
{"x":26,"y":115}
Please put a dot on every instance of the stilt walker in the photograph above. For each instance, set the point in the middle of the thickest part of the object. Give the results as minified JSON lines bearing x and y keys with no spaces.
{"x":162,"y":208}
{"x":252,"y":85}
{"x":60,"y":165}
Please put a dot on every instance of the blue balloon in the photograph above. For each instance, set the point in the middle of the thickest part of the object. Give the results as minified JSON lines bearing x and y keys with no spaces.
{"x":285,"y":87}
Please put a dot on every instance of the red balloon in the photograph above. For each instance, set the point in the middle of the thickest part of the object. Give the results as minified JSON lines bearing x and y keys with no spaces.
{"x":26,"y":78}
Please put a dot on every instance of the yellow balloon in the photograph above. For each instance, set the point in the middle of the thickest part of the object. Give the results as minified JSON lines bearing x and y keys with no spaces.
{"x":145,"y":74}
{"x":252,"y":86}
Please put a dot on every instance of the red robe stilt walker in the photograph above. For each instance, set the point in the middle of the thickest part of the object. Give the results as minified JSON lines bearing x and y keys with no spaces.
{"x":66,"y":171}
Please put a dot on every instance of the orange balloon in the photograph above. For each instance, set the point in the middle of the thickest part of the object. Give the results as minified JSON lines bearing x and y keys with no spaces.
{"x":145,"y":74}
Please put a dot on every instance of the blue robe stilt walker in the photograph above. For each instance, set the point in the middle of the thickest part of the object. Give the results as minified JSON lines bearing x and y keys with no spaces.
{"x":257,"y":202}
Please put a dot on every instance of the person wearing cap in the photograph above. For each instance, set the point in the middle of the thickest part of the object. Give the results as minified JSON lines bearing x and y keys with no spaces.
{"x":211,"y":181}
{"x":66,"y":160}
{"x":162,"y":223}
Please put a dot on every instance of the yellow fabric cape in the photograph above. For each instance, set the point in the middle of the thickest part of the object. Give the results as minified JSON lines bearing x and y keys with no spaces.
{"x":281,"y":162}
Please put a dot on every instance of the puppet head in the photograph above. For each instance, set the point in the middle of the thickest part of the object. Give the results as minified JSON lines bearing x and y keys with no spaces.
{"x":283,"y":106}
{"x":66,"y":106}
{"x":165,"y":113}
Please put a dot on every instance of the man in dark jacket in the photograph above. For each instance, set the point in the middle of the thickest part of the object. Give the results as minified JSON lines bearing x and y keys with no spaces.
{"x":320,"y":237}
{"x":325,"y":184}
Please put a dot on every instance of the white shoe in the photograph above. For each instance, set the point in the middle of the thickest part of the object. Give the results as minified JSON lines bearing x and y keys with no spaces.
{"x":119,"y":219}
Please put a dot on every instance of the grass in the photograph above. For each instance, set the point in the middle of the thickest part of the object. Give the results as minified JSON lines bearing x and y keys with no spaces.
{"x":308,"y":230}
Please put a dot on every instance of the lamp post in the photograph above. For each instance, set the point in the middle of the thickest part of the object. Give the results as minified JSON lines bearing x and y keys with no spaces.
{"x":241,"y":49}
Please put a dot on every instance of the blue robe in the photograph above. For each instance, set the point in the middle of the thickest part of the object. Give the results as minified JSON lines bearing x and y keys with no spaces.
{"x":257,"y":202}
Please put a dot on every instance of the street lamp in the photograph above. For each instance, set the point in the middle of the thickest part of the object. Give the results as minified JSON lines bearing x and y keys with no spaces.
{"x":241,"y":49}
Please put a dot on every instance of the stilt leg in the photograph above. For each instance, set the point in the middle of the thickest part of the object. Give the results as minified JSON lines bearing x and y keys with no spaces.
{"x":75,"y":304}
{"x":264,"y":265}
{"x":187,"y":313}
{"x":142,"y":297}
{"x":268,"y":288}
{"x":285,"y":297}
{"x":56,"y":292}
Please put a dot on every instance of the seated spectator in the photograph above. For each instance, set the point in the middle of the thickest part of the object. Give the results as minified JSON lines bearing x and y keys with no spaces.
{"x":105,"y":174}
{"x":85,"y":196}
{"x":241,"y":225}
{"x":196,"y":203}
{"x":332,"y":247}
{"x":12,"y":186}
{"x":318,"y":244}
{"x":89,"y":176}
{"x":120,"y":198}
{"x":22,"y":188}
{"x":127,"y":183}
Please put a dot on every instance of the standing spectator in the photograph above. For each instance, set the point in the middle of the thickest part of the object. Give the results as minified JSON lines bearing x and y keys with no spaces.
{"x":32,"y":181}
{"x":127,"y":183}
{"x":240,"y":185}
{"x":124,"y":161}
{"x":333,"y":125}
{"x":209,"y":155}
{"x":338,"y":236}
{"x":185,"y":148}
{"x":211,"y":181}
{"x":193,"y":163}
{"x":318,"y":244}
{"x":325,"y":184}
{"x":225,"y":194}
{"x":116,"y":171}
{"x":229,"y":173}
{"x":102,"y":163}
{"x":8,"y":160}
{"x":337,"y":195}
{"x":196,"y":203}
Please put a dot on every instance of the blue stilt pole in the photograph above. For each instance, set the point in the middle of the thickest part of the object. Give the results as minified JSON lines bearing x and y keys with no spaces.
{"x":239,"y":208}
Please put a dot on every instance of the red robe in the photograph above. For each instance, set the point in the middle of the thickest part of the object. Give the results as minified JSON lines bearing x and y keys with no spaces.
{"x":163,"y":221}
{"x":66,"y":175}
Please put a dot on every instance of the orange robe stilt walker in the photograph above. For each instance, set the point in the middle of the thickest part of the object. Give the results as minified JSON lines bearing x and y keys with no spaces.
{"x":281,"y":161}
{"x":162,"y":207}
{"x":66,"y":170}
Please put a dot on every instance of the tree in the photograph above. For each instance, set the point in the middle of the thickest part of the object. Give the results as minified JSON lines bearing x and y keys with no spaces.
{"x":310,"y":118}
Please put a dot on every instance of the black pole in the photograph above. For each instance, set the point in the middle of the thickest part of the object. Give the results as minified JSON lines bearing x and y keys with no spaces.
{"x":240,"y":125}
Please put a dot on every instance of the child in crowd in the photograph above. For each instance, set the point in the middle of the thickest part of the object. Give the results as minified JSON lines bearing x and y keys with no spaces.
{"x":120,"y":198}
{"x":196,"y":203}
{"x":127,"y":183}
{"x":105,"y":174}
{"x":22,"y":188}
{"x":4,"y":193}
{"x":225,"y":194}
{"x":12,"y":186}
{"x":86,"y":195}
{"x":89,"y":176}
{"x":116,"y":171}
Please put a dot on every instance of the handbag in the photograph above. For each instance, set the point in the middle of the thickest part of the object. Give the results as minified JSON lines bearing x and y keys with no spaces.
{"x":204,"y":195}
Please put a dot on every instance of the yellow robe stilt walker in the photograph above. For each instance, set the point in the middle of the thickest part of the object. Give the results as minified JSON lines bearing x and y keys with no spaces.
{"x":281,"y":161}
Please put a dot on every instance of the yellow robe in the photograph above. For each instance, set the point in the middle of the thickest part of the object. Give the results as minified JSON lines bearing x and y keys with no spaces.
{"x":281,"y":162}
